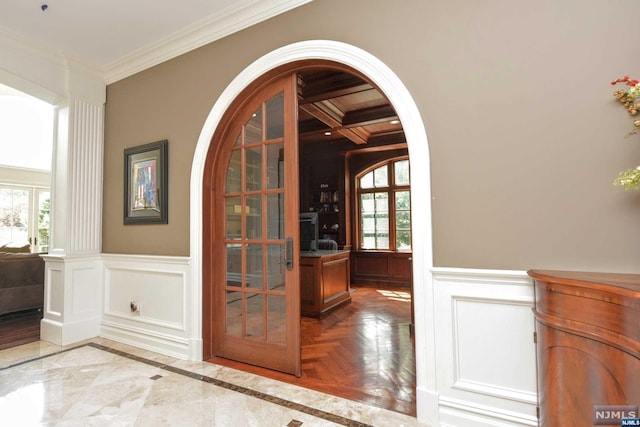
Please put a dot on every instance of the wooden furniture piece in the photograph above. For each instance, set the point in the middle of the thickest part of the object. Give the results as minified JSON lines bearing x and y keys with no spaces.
{"x":384,"y":268}
{"x":21,"y":282}
{"x":324,"y":281}
{"x":588,"y":345}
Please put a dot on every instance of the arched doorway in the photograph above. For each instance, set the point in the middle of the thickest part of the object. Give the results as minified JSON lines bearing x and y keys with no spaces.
{"x":288,"y":59}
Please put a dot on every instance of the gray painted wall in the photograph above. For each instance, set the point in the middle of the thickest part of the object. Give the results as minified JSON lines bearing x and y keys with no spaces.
{"x":524,"y":135}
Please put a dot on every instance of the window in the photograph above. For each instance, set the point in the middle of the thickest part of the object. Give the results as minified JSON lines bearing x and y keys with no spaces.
{"x":26,"y":130}
{"x":24,"y":217}
{"x":384,"y":221}
{"x":26,"y":144}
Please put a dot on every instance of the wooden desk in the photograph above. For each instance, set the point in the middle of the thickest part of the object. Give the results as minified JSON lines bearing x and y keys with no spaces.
{"x":588,"y":344}
{"x":324,"y":281}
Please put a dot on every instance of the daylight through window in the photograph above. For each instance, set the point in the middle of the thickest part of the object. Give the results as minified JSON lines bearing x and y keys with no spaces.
{"x":385,"y":207}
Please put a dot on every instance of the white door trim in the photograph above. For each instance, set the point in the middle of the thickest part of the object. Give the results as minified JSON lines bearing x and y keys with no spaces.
{"x":416,"y":137}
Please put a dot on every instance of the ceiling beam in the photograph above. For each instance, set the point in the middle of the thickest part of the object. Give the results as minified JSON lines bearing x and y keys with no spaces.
{"x":333,"y":85}
{"x":385,"y":138}
{"x":330,"y":116}
{"x":369,"y":116}
{"x":374,"y":140}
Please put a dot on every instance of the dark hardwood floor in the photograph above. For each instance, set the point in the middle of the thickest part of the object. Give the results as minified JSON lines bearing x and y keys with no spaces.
{"x":363,"y":351}
{"x":19,"y":329}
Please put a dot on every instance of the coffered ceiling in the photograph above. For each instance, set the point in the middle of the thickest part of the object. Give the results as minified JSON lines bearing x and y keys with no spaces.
{"x":335,"y":106}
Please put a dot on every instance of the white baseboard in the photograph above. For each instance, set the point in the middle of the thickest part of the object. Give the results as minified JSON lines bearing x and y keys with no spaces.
{"x":427,"y":406}
{"x":69,"y":333}
{"x":464,"y":413}
{"x":148,"y":340}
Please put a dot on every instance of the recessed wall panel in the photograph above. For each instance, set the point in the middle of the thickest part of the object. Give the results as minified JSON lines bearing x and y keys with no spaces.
{"x":486,"y":343}
{"x":159,"y":295}
{"x":55,"y":293}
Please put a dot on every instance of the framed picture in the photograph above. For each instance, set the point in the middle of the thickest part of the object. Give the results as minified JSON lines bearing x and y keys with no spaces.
{"x":145,"y":184}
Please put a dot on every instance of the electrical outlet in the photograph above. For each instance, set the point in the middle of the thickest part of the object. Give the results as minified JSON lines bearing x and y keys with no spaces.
{"x":135,"y":307}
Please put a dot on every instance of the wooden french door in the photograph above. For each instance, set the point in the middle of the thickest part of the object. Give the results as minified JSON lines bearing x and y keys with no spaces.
{"x":256,"y":293}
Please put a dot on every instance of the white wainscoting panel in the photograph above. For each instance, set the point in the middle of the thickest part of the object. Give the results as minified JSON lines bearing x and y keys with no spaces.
{"x":160,"y":287}
{"x":486,"y":366}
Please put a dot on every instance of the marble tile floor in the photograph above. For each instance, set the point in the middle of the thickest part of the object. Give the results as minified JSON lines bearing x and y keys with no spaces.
{"x":106,"y":383}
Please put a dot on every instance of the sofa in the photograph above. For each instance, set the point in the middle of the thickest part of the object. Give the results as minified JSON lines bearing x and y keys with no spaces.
{"x":21,"y":282}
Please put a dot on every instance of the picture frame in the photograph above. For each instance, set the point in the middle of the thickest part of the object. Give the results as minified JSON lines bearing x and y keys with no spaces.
{"x":146,"y":184}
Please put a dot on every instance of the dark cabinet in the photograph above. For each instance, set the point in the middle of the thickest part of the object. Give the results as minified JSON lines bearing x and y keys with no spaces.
{"x":588,"y":346}
{"x":324,"y":282}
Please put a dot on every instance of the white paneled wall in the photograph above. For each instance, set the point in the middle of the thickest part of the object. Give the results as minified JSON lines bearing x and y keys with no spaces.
{"x":160,"y":287}
{"x":486,"y":374}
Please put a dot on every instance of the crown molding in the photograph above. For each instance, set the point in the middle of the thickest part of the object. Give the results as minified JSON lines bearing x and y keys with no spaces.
{"x":48,"y":74}
{"x":207,"y":30}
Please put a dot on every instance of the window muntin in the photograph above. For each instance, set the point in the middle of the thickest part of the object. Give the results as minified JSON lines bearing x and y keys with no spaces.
{"x":255,"y":228}
{"x":385,"y":207}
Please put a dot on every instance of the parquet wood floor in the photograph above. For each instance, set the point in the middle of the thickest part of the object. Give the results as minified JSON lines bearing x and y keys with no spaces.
{"x":363,"y":351}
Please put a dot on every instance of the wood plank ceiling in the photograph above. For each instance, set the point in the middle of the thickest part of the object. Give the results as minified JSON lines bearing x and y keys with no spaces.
{"x":335,"y":106}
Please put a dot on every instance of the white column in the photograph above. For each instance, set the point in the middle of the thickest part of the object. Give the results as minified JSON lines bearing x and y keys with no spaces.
{"x":73,"y":275}
{"x":73,"y":272}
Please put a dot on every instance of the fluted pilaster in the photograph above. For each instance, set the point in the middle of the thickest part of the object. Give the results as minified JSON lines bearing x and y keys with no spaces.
{"x":85,"y":178}
{"x":77,"y":179}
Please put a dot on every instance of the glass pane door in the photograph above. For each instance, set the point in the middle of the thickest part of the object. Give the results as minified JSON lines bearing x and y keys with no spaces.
{"x":261,"y":303}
